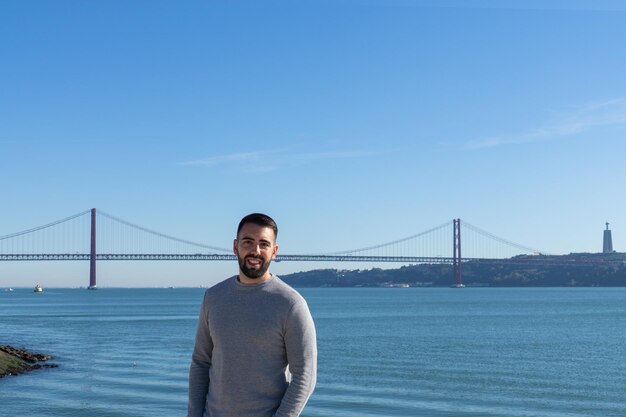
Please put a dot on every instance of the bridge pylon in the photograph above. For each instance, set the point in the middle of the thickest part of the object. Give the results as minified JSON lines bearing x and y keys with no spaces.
{"x":92,"y":254}
{"x":457,"y":270}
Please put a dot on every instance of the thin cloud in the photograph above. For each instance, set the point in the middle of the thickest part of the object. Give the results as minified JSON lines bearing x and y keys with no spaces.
{"x":586,"y":5}
{"x":273,"y":160}
{"x":585,"y":118}
{"x":242,"y":157}
{"x":335,"y":155}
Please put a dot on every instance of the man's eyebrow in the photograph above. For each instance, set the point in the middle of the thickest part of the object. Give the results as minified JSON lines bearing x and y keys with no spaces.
{"x":251,"y":238}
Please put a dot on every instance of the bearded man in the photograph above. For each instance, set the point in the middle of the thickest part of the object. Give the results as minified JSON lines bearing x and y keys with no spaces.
{"x":255,"y":353}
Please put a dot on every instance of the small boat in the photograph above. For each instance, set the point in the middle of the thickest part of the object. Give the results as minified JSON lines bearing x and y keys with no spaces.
{"x":396,"y":285}
{"x":38,"y":288}
{"x":9,"y":289}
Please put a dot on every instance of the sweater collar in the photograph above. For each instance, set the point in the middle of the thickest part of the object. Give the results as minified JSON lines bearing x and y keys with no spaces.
{"x":252,"y":286}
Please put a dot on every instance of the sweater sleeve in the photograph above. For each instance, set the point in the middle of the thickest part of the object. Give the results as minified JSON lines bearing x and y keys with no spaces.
{"x":200,"y":365}
{"x":301,"y":348}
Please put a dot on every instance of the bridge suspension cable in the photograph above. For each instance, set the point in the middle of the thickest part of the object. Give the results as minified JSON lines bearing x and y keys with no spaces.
{"x":45,"y":226}
{"x":162,"y":235}
{"x":398,"y":244}
{"x":68,"y":235}
{"x":516,"y":247}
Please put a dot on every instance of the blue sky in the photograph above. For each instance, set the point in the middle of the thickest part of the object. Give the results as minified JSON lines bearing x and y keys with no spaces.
{"x":351,"y":122}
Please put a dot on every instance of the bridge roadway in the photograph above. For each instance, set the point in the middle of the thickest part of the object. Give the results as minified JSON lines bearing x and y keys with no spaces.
{"x":217,"y":257}
{"x":518,"y":260}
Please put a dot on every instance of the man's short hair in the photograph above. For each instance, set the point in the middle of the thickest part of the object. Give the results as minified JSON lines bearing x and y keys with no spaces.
{"x":259,"y":219}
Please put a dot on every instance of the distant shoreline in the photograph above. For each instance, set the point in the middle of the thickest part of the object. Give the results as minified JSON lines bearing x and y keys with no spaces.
{"x":573,"y":270}
{"x":16,"y":361}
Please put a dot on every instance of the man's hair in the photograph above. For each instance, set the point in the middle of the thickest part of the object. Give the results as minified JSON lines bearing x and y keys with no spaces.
{"x":259,"y":219}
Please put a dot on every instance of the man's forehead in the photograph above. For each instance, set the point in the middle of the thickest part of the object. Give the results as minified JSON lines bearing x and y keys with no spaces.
{"x":252,"y":230}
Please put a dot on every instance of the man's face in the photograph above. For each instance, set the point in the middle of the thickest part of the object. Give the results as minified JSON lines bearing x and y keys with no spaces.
{"x":255,"y":248}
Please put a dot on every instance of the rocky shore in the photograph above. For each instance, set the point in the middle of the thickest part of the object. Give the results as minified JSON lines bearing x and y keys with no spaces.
{"x":15,"y":361}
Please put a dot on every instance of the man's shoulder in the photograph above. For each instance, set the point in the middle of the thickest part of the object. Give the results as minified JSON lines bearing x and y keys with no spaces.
{"x":220,"y":287}
{"x":286,"y":291}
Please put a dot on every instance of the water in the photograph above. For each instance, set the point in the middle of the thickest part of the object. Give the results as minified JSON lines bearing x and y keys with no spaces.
{"x":552,"y":352}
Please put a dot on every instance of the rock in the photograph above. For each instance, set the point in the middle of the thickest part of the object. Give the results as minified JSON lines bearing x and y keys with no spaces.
{"x":15,"y":361}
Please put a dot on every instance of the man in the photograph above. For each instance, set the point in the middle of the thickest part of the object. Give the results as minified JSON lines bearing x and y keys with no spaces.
{"x":255,"y":353}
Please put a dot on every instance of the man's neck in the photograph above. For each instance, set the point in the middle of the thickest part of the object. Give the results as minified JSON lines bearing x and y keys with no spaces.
{"x":252,"y":281}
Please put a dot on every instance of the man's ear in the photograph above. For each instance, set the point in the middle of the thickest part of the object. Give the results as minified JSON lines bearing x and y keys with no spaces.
{"x":235,"y":247}
{"x":275,"y":252}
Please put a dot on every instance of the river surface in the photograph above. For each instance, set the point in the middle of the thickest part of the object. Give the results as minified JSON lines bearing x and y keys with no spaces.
{"x":389,"y":352}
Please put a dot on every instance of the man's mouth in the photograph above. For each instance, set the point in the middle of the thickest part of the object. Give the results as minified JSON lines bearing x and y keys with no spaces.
{"x":254,"y":262}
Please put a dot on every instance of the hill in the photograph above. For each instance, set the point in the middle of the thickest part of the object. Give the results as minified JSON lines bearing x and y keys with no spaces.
{"x":573,"y":270}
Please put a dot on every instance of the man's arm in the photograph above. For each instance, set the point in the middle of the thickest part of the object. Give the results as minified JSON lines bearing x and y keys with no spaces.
{"x":301,"y":347}
{"x":200,"y":366}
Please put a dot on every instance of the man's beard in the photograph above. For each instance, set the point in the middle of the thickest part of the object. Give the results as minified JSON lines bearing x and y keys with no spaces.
{"x":253,"y":273}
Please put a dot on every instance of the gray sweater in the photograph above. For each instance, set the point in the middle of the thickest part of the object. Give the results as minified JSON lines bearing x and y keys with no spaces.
{"x":255,"y":353}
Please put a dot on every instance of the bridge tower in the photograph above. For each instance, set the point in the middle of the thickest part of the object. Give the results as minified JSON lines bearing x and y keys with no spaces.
{"x":607,"y":246}
{"x":92,"y":256}
{"x":456,"y":263}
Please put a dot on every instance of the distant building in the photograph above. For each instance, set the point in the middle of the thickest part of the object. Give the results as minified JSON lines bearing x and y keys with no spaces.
{"x":607,"y":246}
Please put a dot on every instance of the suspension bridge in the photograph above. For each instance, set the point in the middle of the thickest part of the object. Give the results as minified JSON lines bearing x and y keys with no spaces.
{"x":94,"y":235}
